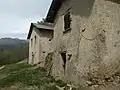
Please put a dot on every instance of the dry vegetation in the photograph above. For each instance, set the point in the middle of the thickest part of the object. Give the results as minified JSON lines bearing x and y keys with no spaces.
{"x":22,"y":76}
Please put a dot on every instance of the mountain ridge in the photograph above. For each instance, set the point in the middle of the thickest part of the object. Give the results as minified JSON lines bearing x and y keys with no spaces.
{"x":11,"y":43}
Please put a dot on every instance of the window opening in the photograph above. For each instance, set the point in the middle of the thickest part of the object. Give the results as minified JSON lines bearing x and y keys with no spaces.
{"x":31,"y":42}
{"x":35,"y":40}
{"x":67,"y":21}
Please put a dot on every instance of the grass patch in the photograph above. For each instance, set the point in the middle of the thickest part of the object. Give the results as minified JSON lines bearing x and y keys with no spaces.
{"x":14,"y":67}
{"x":60,"y":83}
{"x":22,"y":73}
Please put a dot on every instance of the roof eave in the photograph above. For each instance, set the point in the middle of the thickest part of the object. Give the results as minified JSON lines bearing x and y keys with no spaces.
{"x":53,"y":10}
{"x":31,"y":28}
{"x":30,"y":31}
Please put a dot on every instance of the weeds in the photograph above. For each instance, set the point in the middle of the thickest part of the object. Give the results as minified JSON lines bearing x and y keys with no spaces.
{"x":21,"y":73}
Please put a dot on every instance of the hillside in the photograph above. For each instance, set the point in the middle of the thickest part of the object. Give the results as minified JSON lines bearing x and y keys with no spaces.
{"x":12,"y":50}
{"x":10,"y":43}
{"x":21,"y":76}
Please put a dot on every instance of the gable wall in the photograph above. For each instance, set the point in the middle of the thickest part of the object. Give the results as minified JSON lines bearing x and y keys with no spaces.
{"x":94,"y":50}
{"x":41,"y":48}
{"x":45,"y":36}
{"x":34,"y":48}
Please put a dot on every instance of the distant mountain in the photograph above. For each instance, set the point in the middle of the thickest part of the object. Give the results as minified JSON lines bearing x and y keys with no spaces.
{"x":10,"y":43}
{"x":14,"y":35}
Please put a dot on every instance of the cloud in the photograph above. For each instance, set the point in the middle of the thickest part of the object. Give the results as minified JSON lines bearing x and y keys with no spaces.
{"x":25,"y":8}
{"x":13,"y":24}
{"x":16,"y":15}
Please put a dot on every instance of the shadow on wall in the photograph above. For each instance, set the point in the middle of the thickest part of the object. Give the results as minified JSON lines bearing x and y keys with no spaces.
{"x":83,"y":7}
{"x":115,"y":1}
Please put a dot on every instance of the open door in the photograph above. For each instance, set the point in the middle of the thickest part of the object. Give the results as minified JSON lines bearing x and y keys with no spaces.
{"x":63,"y":55}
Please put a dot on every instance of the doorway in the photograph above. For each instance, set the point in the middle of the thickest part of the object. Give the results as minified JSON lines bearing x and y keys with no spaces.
{"x":63,"y":55}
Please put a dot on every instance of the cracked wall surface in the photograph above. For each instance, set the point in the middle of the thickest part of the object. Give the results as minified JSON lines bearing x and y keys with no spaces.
{"x":93,"y":41}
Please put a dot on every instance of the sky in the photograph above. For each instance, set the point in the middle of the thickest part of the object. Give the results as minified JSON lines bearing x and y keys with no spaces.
{"x":16,"y":16}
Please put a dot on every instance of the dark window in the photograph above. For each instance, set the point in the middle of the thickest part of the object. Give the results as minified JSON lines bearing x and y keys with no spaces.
{"x":67,"y":21}
{"x":35,"y":40}
{"x":50,"y":39}
{"x":63,"y":55}
{"x":43,"y":51}
{"x":32,"y":57}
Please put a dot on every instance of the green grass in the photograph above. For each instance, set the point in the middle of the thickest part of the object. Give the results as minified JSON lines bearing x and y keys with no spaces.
{"x":27,"y":76}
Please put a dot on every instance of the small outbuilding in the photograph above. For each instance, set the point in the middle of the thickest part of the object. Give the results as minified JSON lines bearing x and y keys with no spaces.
{"x":39,"y":36}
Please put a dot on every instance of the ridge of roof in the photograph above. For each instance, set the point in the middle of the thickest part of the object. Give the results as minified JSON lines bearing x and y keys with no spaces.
{"x":39,"y":26}
{"x":43,"y":26}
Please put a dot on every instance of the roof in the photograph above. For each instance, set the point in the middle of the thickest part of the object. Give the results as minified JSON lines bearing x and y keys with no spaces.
{"x":53,"y":10}
{"x":39,"y":27}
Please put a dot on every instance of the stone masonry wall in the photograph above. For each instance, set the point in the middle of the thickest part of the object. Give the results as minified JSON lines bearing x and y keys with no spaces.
{"x":93,"y":41}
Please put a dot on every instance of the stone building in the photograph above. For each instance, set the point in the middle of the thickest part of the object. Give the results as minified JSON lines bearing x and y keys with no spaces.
{"x":40,"y":36}
{"x":86,"y":40}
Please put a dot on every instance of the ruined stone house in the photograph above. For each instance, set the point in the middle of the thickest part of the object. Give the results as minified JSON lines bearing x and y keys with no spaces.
{"x":86,"y":40}
{"x":40,"y":36}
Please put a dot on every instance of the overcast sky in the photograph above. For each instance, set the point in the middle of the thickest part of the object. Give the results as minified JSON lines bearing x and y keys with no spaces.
{"x":16,"y":16}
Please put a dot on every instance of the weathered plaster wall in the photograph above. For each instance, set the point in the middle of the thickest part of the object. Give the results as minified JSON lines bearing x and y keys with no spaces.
{"x":45,"y":40}
{"x":93,"y":40}
{"x":42,"y":46}
{"x":34,"y":48}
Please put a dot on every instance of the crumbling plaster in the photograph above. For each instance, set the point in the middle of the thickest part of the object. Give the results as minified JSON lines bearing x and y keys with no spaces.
{"x":93,"y":40}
